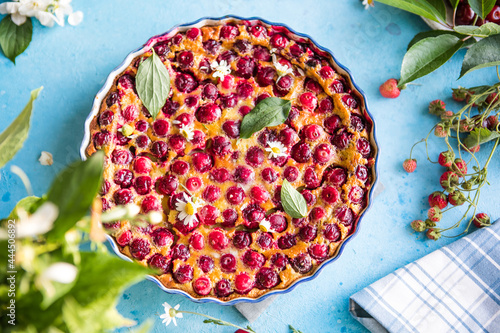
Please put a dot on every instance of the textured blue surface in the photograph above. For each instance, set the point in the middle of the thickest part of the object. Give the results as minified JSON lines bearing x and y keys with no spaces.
{"x":73,"y":62}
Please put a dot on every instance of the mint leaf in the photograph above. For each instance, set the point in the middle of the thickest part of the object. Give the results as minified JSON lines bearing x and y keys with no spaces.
{"x":428,"y":55}
{"x":482,"y":7}
{"x":421,"y":8}
{"x":12,"y":139}
{"x":272,"y":111}
{"x":479,"y":136}
{"x":293,"y":202}
{"x":488,"y":29}
{"x":73,"y":191}
{"x":481,"y":55}
{"x":153,"y":84}
{"x":434,"y":33}
{"x":15,"y":39}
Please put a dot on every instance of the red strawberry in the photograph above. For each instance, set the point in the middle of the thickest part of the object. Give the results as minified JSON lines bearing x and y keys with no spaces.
{"x":433,"y":234}
{"x":438,"y":199}
{"x":481,"y":220}
{"x":389,"y":89}
{"x":434,"y":214}
{"x":456,"y":198}
{"x":437,"y":107}
{"x":492,"y":98}
{"x":459,"y":94}
{"x":410,"y":165}
{"x":447,"y":115}
{"x":460,"y":167}
{"x":445,"y":158}
{"x":474,"y":149}
{"x":418,"y":225}
{"x":491,"y":123}
{"x":449,"y":179}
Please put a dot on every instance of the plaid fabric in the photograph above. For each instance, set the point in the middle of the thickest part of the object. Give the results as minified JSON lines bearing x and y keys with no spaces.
{"x":453,"y":289}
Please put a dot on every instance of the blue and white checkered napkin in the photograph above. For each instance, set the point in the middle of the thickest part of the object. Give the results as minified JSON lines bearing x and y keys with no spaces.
{"x":453,"y":289}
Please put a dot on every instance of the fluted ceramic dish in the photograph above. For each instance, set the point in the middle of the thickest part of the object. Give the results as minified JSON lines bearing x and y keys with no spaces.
{"x":294,"y":36}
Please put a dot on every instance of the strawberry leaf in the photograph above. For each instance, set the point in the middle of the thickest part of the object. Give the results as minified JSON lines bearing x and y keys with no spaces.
{"x":479,"y":136}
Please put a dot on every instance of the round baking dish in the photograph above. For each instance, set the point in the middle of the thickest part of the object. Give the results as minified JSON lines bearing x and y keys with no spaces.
{"x":294,"y":36}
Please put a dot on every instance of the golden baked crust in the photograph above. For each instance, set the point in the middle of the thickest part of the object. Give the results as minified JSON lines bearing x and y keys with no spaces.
{"x":344,"y":129}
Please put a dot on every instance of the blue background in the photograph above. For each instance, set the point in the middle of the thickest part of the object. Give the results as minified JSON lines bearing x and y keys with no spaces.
{"x":73,"y":62}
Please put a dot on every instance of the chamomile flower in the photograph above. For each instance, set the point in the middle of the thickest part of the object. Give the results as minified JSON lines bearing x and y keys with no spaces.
{"x":221,"y":69}
{"x":188,"y":209}
{"x":368,"y":4}
{"x":265,"y":226}
{"x":170,"y":314}
{"x":187,"y":132}
{"x":282,"y":70}
{"x":276,"y":149}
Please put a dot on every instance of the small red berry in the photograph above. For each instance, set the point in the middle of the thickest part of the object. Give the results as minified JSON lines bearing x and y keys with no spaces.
{"x":434,"y":214}
{"x":438,"y":199}
{"x":389,"y":89}
{"x":449,"y":179}
{"x":481,"y":220}
{"x":456,"y":198}
{"x":418,"y":225}
{"x":440,"y":132}
{"x":437,"y":107}
{"x":447,"y":115}
{"x":460,"y":167}
{"x":445,"y":158}
{"x":474,"y":149}
{"x":459,"y":94}
{"x":492,"y":98}
{"x":433,"y":234}
{"x":410,"y":165}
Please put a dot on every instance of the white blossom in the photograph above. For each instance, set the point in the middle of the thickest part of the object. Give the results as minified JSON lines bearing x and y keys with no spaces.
{"x":46,"y":158}
{"x":188,"y":209}
{"x":170,"y":314}
{"x":37,"y":223}
{"x":221,"y":69}
{"x":276,"y":149}
{"x":61,"y":272}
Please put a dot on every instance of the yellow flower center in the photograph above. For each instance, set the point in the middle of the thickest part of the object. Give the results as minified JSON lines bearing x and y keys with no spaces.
{"x":190,"y":209}
{"x":172,"y":312}
{"x":262,"y":228}
{"x":276,"y":150}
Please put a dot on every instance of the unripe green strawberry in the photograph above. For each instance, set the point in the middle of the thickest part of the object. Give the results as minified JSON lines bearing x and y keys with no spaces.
{"x":429,"y":223}
{"x":433,"y":234}
{"x":445,"y":158}
{"x":437,"y":107}
{"x":481,"y":220}
{"x":456,"y":198}
{"x":418,"y":225}
{"x":410,"y":165}
{"x":438,"y":199}
{"x":434,"y":214}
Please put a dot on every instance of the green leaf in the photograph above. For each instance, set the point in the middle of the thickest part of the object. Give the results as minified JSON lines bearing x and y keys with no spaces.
{"x":479,"y":136}
{"x":153,"y":84}
{"x":29,"y":204}
{"x":484,"y":53}
{"x":482,"y":7}
{"x":272,"y":111}
{"x":454,"y":3}
{"x":293,"y":329}
{"x":428,"y":55}
{"x":12,"y":139}
{"x":15,"y":39}
{"x":293,"y":202}
{"x":488,"y":29}
{"x":437,"y":7}
{"x":73,"y":191}
{"x":434,"y":33}
{"x":420,"y":8}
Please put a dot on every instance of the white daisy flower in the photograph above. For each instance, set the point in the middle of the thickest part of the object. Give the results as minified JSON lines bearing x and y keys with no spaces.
{"x":368,"y":4}
{"x":221,"y":69}
{"x":170,"y":314}
{"x":187,"y":132}
{"x":187,"y":210}
{"x":265,"y":226}
{"x":276,"y":149}
{"x":282,"y":70}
